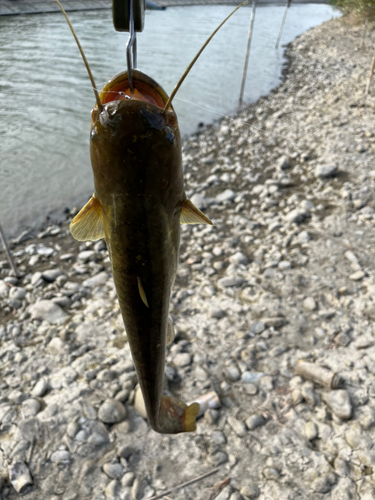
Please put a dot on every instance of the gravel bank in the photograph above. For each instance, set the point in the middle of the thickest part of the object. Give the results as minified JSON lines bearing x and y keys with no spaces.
{"x":286,"y":274}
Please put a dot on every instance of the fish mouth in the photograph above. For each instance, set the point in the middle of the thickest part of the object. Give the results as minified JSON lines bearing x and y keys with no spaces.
{"x":144,"y":89}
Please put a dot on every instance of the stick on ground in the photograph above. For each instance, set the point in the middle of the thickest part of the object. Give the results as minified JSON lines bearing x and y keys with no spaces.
{"x":195,"y":480}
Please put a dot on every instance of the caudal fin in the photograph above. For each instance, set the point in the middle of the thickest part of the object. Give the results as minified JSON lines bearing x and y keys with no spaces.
{"x":175,"y":416}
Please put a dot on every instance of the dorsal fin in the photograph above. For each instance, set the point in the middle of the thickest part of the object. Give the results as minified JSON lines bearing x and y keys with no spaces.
{"x":190,"y":214}
{"x":87,"y":225}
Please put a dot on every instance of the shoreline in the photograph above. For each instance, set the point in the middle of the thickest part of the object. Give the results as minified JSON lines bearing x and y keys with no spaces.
{"x":27,"y":7}
{"x":286,"y":274}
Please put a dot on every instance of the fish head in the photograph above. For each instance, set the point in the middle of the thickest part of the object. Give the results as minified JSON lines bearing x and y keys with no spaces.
{"x":133,"y":137}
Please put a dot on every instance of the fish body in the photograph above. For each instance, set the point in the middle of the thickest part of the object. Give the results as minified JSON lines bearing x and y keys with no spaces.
{"x":138,"y":206}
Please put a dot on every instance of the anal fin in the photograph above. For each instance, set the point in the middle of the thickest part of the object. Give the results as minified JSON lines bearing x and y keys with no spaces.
{"x":88,"y":225}
{"x":190,"y":214}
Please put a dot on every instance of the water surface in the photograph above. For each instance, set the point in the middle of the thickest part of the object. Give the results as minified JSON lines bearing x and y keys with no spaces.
{"x":46,"y":95}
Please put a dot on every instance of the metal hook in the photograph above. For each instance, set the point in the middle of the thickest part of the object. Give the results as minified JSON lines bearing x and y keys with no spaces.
{"x":131,"y":47}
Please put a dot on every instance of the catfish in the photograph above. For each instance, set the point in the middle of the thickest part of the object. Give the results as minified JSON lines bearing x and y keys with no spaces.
{"x":138,"y":206}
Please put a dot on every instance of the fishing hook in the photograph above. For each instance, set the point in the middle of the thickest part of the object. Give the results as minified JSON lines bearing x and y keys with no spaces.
{"x":131,"y":47}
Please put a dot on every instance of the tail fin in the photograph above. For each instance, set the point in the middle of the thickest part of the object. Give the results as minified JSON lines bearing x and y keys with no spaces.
{"x":175,"y":416}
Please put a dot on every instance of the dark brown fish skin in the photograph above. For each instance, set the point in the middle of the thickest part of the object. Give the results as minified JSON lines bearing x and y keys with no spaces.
{"x":135,"y":152}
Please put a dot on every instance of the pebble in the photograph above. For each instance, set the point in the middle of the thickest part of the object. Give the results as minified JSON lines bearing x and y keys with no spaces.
{"x":182,"y":359}
{"x":61,"y":456}
{"x":111,"y":411}
{"x":357,"y":276}
{"x":137,"y":489}
{"x":325,"y":171}
{"x":339,"y":403}
{"x":114,"y":471}
{"x":309,"y":304}
{"x":40,"y":388}
{"x":311,"y":430}
{"x":255,"y":421}
{"x":48,"y":311}
{"x":238,"y":426}
{"x":218,"y":458}
{"x":250,"y":491}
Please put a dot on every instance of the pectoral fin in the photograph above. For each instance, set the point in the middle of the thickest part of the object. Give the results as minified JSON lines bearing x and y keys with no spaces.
{"x":190,"y":214}
{"x":87,"y":225}
{"x":142,"y":292}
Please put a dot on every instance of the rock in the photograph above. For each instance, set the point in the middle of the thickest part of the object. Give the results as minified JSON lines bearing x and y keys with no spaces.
{"x":227,"y":195}
{"x":251,"y":377}
{"x":17,"y":293}
{"x":311,"y":430}
{"x":250,"y":491}
{"x":238,"y":426}
{"x":40,"y":388}
{"x":217,"y":458}
{"x":340,"y":404}
{"x":98,"y":280}
{"x":238,"y":258}
{"x":182,"y":359}
{"x":50,"y":275}
{"x":230,"y":281}
{"x":224,"y":493}
{"x":325,"y":171}
{"x":324,"y":483}
{"x":137,"y":489}
{"x":56,"y":346}
{"x":309,"y":304}
{"x":60,"y":457}
{"x":30,"y":407}
{"x":357,"y":276}
{"x":232,"y":373}
{"x":255,"y":421}
{"x":111,"y":411}
{"x":48,"y":311}
{"x":257,"y":328}
{"x":296,"y":215}
{"x":113,"y":470}
{"x":4,"y":289}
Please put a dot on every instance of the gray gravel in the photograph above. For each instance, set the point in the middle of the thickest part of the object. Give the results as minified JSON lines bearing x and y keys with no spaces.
{"x":285,"y":274}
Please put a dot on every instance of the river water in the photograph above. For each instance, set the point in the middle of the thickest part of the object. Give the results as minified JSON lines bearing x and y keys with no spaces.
{"x":46,"y":96}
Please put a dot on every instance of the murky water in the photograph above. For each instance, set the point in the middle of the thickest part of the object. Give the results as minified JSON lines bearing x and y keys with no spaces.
{"x":46,"y":96}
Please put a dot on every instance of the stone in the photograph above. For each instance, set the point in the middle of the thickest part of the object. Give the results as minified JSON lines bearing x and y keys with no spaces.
{"x":255,"y":421}
{"x":227,"y":195}
{"x":56,"y":346}
{"x":48,"y":311}
{"x":30,"y":407}
{"x":111,"y":411}
{"x":231,"y":281}
{"x":218,"y":458}
{"x":309,"y":304}
{"x":113,"y":470}
{"x":232,"y":373}
{"x":238,"y":258}
{"x":182,"y":359}
{"x":325,"y":171}
{"x":339,"y":403}
{"x":257,"y":328}
{"x":238,"y":426}
{"x":40,"y":388}
{"x":324,"y":483}
{"x":357,"y":276}
{"x":60,"y":457}
{"x":311,"y":430}
{"x":137,"y":489}
{"x":4,"y":289}
{"x":98,"y":280}
{"x":50,"y":275}
{"x":250,"y":491}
